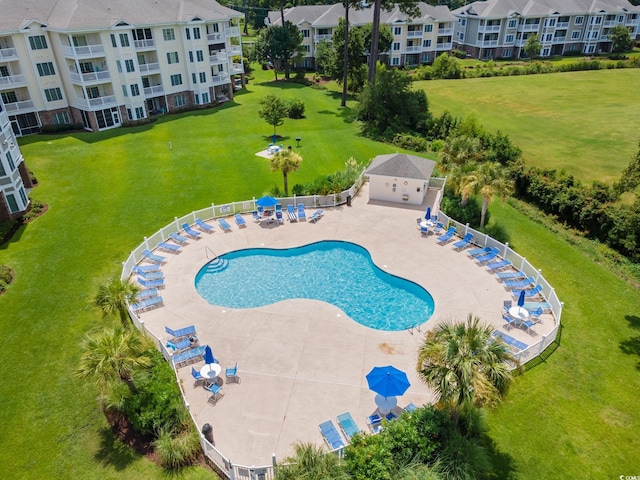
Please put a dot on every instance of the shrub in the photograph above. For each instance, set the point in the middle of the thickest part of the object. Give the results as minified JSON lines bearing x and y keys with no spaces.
{"x":469,"y":213}
{"x":410,"y":142}
{"x":61,"y":127}
{"x":295,"y":109}
{"x":436,"y":145}
{"x":175,"y":451}
{"x":32,"y":177}
{"x":6,"y":274}
{"x":6,"y":227}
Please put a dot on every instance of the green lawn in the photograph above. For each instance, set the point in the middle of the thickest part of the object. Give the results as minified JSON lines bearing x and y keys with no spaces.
{"x":575,"y":415}
{"x":583,"y":122}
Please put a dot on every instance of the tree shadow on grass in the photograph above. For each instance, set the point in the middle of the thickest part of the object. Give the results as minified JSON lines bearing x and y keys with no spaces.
{"x":113,"y":452}
{"x":504,"y":466}
{"x":632,"y":345}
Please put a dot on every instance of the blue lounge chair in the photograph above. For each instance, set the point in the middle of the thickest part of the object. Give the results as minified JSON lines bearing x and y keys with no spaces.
{"x":147,"y":303}
{"x":442,"y":239}
{"x":205,"y":227}
{"x":375,"y":422}
{"x":410,"y":408}
{"x":256,"y":216}
{"x":190,"y":231}
{"x":438,"y":228}
{"x":511,"y":275}
{"x":546,"y":306}
{"x":196,"y":376}
{"x":188,"y":356}
{"x":347,"y":425}
{"x":181,"y":332}
{"x":232,"y":373}
{"x":511,"y":284}
{"x":532,"y":292}
{"x":149,"y":268}
{"x":487,"y":257}
{"x":510,"y":321}
{"x":216,"y":392}
{"x":183,"y":344}
{"x":171,"y":247}
{"x":466,"y":240}
{"x":178,"y":238}
{"x":148,"y":275}
{"x":279,"y":217}
{"x":151,"y":292}
{"x":302,"y":213}
{"x":291,"y":213}
{"x":517,"y":345}
{"x":315,"y":216}
{"x":331,"y":435}
{"x":155,"y":283}
{"x":499,"y":265}
{"x":536,"y":312}
{"x":152,"y":257}
{"x":224,"y":225}
{"x":240,"y":221}
{"x":424,"y":231}
{"x":476,"y":252}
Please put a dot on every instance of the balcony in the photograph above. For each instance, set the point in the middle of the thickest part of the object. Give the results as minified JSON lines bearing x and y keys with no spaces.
{"x":562,"y":25}
{"x":610,"y":23}
{"x":215,"y":37}
{"x":19,"y":107}
{"x":232,"y":32}
{"x":149,"y":67}
{"x":12,"y":81}
{"x":220,"y":79}
{"x":559,"y":39}
{"x":91,"y":77}
{"x":237,"y":68}
{"x":321,"y":38}
{"x":530,"y":27}
{"x":219,"y":57}
{"x":488,"y":28}
{"x":235,"y":50}
{"x":92,"y":103}
{"x":631,"y":22}
{"x":445,"y":31}
{"x":86,"y":51}
{"x":413,"y":48}
{"x":489,"y":43}
{"x":148,"y":44}
{"x":154,"y":91}
{"x":414,"y":34}
{"x":7,"y":54}
{"x":443,"y":46}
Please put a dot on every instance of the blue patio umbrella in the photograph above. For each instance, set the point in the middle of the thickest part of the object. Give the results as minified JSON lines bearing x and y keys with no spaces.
{"x":521,"y":299}
{"x":208,"y":356}
{"x":427,"y":216}
{"x":388,"y":381}
{"x":267,"y":202}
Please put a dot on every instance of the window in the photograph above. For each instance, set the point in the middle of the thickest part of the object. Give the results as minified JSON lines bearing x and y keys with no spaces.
{"x":193,"y":78}
{"x":188,"y":32}
{"x":124,"y":40}
{"x":119,"y":66}
{"x":11,"y":201}
{"x":125,"y":92}
{"x":12,"y":166}
{"x":139,"y":112}
{"x":512,"y":23}
{"x":395,"y":61}
{"x":594,"y":35}
{"x":135,"y":90}
{"x":93,"y":92}
{"x":168,"y":34}
{"x":23,"y":196}
{"x":61,"y":118}
{"x":305,"y":33}
{"x":425,"y":58}
{"x":463,"y":22}
{"x":590,"y":49}
{"x":546,"y":51}
{"x":38,"y":42}
{"x":461,"y":36}
{"x":113,"y":41}
{"x":509,"y":39}
{"x":9,"y":97}
{"x":3,"y":172}
{"x":45,"y":69}
{"x":196,"y":33}
{"x":129,"y":65}
{"x":180,"y":100}
{"x":396,"y":46}
{"x":548,"y":37}
{"x":190,"y":56}
{"x":426,"y":43}
{"x":203,"y":77}
{"x":428,"y":28}
{"x":506,"y":52}
{"x":575,"y":35}
{"x":142,"y":34}
{"x":172,"y":57}
{"x":53,"y":94}
{"x":397,"y":30}
{"x":550,"y":22}
{"x":205,"y":98}
{"x":307,"y":48}
{"x":200,"y":56}
{"x":197,"y":98}
{"x":176,"y":79}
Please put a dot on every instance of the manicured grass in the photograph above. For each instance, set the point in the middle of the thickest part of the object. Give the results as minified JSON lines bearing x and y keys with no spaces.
{"x":582,"y":122}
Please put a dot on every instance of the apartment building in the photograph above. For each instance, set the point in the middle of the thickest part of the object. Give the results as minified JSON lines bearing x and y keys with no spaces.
{"x":14,"y":177}
{"x":415,"y":40}
{"x":500,"y":28}
{"x":99,"y":62}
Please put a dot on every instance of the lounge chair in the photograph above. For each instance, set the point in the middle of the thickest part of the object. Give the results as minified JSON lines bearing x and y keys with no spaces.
{"x":188,"y":357}
{"x":190,"y":231}
{"x":545,"y":306}
{"x":216,"y":392}
{"x":535,"y":312}
{"x":183,"y":344}
{"x":196,"y":376}
{"x":516,"y":345}
{"x":224,"y":225}
{"x":189,"y":331}
{"x":347,"y":425}
{"x":151,"y":292}
{"x":291,"y":213}
{"x":487,"y":257}
{"x":170,"y":247}
{"x":256,"y":216}
{"x":152,"y":257}
{"x":438,"y":228}
{"x":424,"y":231}
{"x":158,"y":282}
{"x":442,"y":239}
{"x":149,"y":268}
{"x":178,"y":238}
{"x":240,"y":221}
{"x":511,"y":284}
{"x":532,"y":292}
{"x":510,"y":275}
{"x":375,"y":422}
{"x":147,"y":303}
{"x":147,"y":275}
{"x":499,"y":265}
{"x":205,"y":227}
{"x":331,"y":435}
{"x":302,"y":213}
{"x":410,"y":408}
{"x":466,"y":240}
{"x":279,"y":216}
{"x":476,"y":252}
{"x":232,"y":373}
{"x":315,"y":216}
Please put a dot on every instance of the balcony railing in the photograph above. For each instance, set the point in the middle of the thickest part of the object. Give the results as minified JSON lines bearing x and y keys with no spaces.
{"x":445,"y":31}
{"x":91,"y":77}
{"x":144,"y":44}
{"x":414,"y":34}
{"x":215,"y":37}
{"x":321,"y":38}
{"x":237,"y":68}
{"x":489,"y":43}
{"x":488,"y":28}
{"x":413,"y":48}
{"x":232,"y":32}
{"x":610,"y":23}
{"x":560,"y":39}
{"x":220,"y":79}
{"x":235,"y":50}
{"x":12,"y":80}
{"x":219,"y":57}
{"x":562,"y":25}
{"x":96,"y":102}
{"x":84,"y":51}
{"x":154,"y":91}
{"x":530,"y":27}
{"x":149,"y":67}
{"x":631,"y":22}
{"x":443,"y":46}
{"x":19,"y":106}
{"x":8,"y":54}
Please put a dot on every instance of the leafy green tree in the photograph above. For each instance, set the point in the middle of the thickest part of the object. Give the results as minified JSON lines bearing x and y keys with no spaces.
{"x":488,"y":179}
{"x":356,"y":70}
{"x":273,"y":110}
{"x":630,"y":178}
{"x":113,"y":298}
{"x":457,"y":151}
{"x":311,"y":462}
{"x":533,"y":46}
{"x":279,"y":45}
{"x":621,"y":39}
{"x":465,"y":366}
{"x":325,"y":58}
{"x":113,"y":356}
{"x":285,"y":161}
{"x":385,"y":37}
{"x":446,"y":66}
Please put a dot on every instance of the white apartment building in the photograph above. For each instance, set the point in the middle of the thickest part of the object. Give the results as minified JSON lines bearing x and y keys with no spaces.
{"x":99,"y":62}
{"x":500,"y":28}
{"x":415,"y":40}
{"x":13,"y":172}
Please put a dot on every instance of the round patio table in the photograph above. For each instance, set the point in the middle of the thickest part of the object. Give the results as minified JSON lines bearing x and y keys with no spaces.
{"x":385,"y":404}
{"x":211,"y":371}
{"x":519,"y":312}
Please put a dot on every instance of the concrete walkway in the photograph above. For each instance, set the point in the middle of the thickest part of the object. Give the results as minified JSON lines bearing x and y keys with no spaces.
{"x":302,"y":362}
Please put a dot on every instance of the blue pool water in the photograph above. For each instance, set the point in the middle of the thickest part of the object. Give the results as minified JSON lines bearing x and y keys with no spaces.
{"x":340,"y":273}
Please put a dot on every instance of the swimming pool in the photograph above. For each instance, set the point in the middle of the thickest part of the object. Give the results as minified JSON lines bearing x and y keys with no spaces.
{"x":336,"y":272}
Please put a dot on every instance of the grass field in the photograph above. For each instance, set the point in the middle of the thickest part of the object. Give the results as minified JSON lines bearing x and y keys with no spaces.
{"x":583,"y":122}
{"x":575,"y":415}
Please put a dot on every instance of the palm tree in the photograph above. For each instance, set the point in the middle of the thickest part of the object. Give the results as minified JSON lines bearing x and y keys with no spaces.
{"x":311,"y":462}
{"x":113,"y":296}
{"x":489,"y":179}
{"x":459,"y":150}
{"x":286,"y":161}
{"x":113,"y":356}
{"x":465,"y":365}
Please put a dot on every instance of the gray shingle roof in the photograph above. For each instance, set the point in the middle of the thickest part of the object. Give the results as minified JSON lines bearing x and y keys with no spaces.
{"x":531,"y":8}
{"x":91,"y":14}
{"x":401,"y":165}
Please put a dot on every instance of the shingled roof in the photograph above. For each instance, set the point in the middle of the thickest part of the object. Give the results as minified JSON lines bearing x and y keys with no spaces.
{"x":401,"y":165}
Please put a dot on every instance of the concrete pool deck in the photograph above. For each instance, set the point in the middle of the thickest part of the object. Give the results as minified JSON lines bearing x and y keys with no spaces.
{"x":302,"y":362}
